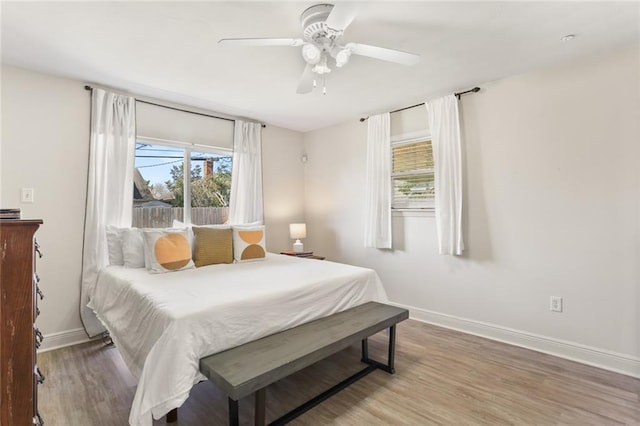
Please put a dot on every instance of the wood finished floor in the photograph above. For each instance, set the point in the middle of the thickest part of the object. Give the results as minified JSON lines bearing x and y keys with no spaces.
{"x":443,"y":378}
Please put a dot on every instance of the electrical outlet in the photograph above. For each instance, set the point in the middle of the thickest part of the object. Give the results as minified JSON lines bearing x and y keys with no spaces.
{"x":26,"y":195}
{"x":556,"y":304}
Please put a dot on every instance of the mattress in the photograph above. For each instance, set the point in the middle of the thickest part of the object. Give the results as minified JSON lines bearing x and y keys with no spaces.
{"x":162,"y":324}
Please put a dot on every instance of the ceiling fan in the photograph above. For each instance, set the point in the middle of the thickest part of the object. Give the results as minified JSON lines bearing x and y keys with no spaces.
{"x":323,"y":26}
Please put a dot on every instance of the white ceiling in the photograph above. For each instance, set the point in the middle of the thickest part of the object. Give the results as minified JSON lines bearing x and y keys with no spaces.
{"x":169,"y":50}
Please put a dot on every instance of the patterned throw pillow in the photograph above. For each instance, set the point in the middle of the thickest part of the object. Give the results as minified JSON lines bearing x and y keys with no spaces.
{"x":248,"y":243}
{"x":212,"y":245}
{"x":167,"y":250}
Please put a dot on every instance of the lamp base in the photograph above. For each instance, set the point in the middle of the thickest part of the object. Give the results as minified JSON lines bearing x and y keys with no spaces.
{"x":298,"y":247}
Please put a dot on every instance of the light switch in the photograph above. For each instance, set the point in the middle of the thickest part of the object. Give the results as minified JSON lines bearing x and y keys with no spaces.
{"x":27,"y":195}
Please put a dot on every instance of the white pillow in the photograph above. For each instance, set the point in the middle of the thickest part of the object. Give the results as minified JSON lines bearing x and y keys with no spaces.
{"x":132,"y":248}
{"x":114,"y":245}
{"x":167,"y":250}
{"x":177,"y":224}
{"x":248,"y":243}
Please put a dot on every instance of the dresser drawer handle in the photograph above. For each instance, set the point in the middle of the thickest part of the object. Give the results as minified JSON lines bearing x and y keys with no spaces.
{"x":39,"y":375}
{"x":37,"y":420}
{"x":37,"y":312}
{"x":38,"y":337}
{"x":40,"y":293}
{"x":37,"y":249}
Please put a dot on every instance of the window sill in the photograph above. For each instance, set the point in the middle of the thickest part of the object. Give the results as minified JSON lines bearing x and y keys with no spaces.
{"x":413,"y":213}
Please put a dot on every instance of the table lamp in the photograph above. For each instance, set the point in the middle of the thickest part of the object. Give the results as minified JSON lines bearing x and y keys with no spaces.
{"x":297,"y":231}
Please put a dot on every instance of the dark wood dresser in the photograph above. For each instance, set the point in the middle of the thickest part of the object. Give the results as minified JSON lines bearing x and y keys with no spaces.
{"x":19,"y":337}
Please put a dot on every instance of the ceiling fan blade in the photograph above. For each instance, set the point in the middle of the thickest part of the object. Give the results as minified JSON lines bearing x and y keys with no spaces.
{"x":342,"y":15}
{"x":306,"y":81}
{"x":262,"y":41}
{"x":384,"y":54}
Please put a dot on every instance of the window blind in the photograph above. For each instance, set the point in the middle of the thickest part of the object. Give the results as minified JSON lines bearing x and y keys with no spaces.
{"x":412,"y":174}
{"x":165,"y":124}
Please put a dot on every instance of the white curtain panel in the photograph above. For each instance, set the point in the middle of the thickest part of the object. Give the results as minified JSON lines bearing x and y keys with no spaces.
{"x":109,"y":188}
{"x":377,"y":230}
{"x":444,"y":123}
{"x":245,"y":204}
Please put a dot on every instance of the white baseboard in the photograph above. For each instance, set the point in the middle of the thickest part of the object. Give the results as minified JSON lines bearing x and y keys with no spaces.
{"x":608,"y":360}
{"x":65,"y":338}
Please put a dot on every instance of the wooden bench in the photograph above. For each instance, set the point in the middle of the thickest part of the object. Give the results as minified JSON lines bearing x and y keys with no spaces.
{"x":249,"y":368}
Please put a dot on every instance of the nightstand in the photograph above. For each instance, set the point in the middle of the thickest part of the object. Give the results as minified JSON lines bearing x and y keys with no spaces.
{"x":305,"y":255}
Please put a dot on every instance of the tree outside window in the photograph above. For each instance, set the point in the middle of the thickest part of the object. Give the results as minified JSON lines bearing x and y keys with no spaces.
{"x":159,"y":185}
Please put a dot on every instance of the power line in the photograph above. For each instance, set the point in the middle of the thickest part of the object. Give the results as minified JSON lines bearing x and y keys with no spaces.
{"x":159,"y":164}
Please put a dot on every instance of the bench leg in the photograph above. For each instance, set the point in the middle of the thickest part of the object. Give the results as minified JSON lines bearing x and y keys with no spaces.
{"x":233,"y":412}
{"x":392,"y":349}
{"x":260,"y":407}
{"x":365,"y":350}
{"x":172,"y":416}
{"x":389,"y":366}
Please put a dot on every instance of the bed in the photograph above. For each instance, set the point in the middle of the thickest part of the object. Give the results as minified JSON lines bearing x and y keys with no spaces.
{"x":162,"y":324}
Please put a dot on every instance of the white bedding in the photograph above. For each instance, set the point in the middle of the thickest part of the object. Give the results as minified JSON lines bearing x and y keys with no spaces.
{"x":163,"y":324}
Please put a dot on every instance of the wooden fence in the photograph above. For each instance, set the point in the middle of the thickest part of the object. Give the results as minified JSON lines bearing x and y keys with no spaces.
{"x":162,"y":217}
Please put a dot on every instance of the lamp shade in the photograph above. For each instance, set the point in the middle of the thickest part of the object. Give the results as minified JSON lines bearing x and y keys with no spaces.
{"x":298,"y":230}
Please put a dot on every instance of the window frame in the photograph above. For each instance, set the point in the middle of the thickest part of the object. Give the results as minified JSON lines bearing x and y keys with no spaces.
{"x":188,"y":149}
{"x":426,"y":206}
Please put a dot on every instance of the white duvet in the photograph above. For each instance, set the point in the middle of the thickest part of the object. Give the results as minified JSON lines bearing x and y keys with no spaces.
{"x":162,"y":324}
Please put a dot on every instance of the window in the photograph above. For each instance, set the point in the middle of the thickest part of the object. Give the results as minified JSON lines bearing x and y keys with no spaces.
{"x":412,"y":173}
{"x":161,"y":193}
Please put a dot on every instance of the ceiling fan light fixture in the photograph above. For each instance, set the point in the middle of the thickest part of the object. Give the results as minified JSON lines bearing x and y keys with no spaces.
{"x":311,"y":53}
{"x":342,"y":57}
{"x":322,"y":67}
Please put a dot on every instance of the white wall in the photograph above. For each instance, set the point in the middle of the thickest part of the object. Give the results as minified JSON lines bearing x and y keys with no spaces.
{"x":45,"y":138}
{"x":283,"y":186}
{"x":552,"y":193}
{"x":45,"y":133}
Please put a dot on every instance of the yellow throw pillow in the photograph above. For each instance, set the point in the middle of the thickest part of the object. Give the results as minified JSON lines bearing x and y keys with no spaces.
{"x":248,"y":243}
{"x":212,"y":246}
{"x":167,"y":250}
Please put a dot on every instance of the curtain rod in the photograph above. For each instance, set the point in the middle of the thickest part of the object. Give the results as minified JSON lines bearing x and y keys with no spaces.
{"x":457,"y":95}
{"x":183,"y":110}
